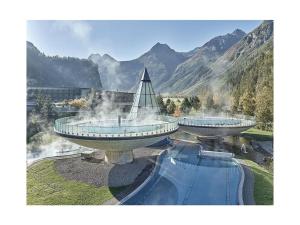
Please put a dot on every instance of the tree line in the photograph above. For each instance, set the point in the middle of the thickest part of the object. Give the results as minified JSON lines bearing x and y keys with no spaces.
{"x":251,"y":85}
{"x":185,"y":106}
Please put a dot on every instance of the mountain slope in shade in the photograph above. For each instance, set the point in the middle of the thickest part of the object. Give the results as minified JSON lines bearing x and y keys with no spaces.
{"x":197,"y":67}
{"x":230,"y":62}
{"x":45,"y":71}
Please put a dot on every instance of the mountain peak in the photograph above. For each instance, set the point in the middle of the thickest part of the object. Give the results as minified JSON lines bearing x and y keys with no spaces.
{"x":96,"y":57}
{"x":31,"y":46}
{"x":238,"y":32}
{"x":223,"y":42}
{"x":159,"y":46}
{"x":107,"y":56}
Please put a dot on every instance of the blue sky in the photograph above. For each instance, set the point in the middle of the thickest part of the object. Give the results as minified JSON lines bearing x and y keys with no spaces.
{"x":126,"y":40}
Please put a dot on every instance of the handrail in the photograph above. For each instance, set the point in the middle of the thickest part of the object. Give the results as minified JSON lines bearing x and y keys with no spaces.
{"x":216,"y":122}
{"x":65,"y":126}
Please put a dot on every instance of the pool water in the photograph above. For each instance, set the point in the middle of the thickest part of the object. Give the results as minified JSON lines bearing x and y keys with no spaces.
{"x":86,"y":127}
{"x":229,"y":144}
{"x":184,"y":178}
{"x":200,"y":121}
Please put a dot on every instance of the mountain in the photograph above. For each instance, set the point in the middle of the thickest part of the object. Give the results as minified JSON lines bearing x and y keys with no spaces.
{"x":46,"y":71}
{"x":211,"y":67}
{"x":170,"y":71}
{"x":108,"y":67}
{"x":238,"y":58}
{"x":160,"y":60}
{"x":251,"y":72}
{"x":198,"y":67}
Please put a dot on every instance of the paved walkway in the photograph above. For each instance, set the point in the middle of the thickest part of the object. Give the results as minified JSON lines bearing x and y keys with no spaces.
{"x":266,"y":145}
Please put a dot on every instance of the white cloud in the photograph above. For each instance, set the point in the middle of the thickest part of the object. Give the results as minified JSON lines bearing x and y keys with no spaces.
{"x":79,"y":29}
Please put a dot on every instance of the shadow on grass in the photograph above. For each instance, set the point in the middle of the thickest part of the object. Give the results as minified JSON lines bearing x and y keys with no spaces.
{"x":122,"y":191}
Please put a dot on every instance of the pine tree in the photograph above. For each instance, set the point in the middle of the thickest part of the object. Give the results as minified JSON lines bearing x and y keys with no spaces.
{"x":161,"y":104}
{"x":195,"y":102}
{"x":171,"y":107}
{"x":264,"y":107}
{"x":210,"y":102}
{"x":168,"y":102}
{"x":43,"y":107}
{"x":248,"y":103}
{"x":186,"y":106}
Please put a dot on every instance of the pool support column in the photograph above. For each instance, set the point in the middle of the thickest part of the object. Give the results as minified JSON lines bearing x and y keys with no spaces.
{"x":119,"y":157}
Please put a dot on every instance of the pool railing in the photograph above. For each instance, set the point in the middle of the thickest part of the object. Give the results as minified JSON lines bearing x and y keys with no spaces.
{"x":69,"y":126}
{"x":216,"y":122}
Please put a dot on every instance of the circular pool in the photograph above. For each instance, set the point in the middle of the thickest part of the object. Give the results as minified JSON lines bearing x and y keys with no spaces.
{"x":215,"y":126}
{"x":118,"y":137}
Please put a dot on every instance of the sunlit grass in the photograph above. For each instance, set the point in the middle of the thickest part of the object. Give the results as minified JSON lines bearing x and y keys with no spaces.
{"x":46,"y":187}
{"x":263,"y":184}
{"x":260,"y":135}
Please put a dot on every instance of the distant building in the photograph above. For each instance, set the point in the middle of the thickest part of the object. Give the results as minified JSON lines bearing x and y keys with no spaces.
{"x":57,"y":94}
{"x":122,"y":100}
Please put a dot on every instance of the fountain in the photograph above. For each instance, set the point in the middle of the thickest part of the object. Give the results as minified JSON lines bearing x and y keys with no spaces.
{"x":144,"y":126}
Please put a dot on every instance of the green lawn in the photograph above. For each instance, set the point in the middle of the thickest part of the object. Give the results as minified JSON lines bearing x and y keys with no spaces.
{"x":259,"y":135}
{"x":46,"y":187}
{"x":263,"y":185}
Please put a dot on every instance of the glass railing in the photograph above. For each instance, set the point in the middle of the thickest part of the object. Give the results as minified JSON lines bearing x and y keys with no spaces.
{"x":216,"y":121}
{"x":110,"y":128}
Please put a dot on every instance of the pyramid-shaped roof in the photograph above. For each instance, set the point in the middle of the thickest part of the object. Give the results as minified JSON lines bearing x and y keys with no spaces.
{"x":145,"y":103}
{"x":145,"y":76}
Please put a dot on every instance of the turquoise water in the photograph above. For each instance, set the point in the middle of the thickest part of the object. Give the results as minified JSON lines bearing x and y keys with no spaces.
{"x":215,"y":121}
{"x":75,"y":126}
{"x":184,"y":178}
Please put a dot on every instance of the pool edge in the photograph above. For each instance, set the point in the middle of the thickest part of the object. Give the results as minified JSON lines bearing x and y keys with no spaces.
{"x":148,"y":178}
{"x":241,"y":184}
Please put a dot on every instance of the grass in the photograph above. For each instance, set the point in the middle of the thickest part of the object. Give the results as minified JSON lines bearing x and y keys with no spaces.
{"x":263,"y":184}
{"x":259,"y":135}
{"x":46,"y":187}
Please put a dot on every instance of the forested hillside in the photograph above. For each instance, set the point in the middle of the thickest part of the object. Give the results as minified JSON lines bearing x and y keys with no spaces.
{"x":46,"y":71}
{"x":250,"y":83}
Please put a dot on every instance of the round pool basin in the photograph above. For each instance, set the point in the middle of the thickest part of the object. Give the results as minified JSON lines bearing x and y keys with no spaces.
{"x":215,"y":126}
{"x":118,"y":140}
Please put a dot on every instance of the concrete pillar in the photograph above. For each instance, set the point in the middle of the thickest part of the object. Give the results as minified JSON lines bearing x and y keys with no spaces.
{"x":119,"y":157}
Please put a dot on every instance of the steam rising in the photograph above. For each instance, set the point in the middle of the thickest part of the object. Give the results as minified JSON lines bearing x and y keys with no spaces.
{"x":109,"y":71}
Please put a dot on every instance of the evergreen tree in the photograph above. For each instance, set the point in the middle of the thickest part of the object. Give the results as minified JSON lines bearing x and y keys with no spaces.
{"x":161,"y":104}
{"x":264,"y":107}
{"x":186,"y":106}
{"x":195,"y":102}
{"x":171,"y":108}
{"x":44,"y":107}
{"x":210,"y":102}
{"x":248,"y":103}
{"x":235,"y":101}
{"x":168,"y":102}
